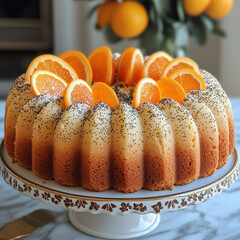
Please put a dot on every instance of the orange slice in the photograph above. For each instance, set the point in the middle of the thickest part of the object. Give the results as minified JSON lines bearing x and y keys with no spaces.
{"x":80,"y":64}
{"x":103,"y":65}
{"x":178,"y":63}
{"x":146,"y":90}
{"x":78,"y":91}
{"x":155,"y":64}
{"x":170,"y":88}
{"x":189,"y":79}
{"x":104,"y":93}
{"x":46,"y":82}
{"x":53,"y":64}
{"x":130,"y":65}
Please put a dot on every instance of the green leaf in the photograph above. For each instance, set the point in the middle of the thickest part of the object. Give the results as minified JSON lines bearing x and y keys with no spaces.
{"x":92,"y":11}
{"x":109,"y":35}
{"x":197,"y":31}
{"x":169,"y":29}
{"x":208,"y":22}
{"x":219,"y":32}
{"x":155,"y":19}
{"x":97,"y":27}
{"x":169,"y":20}
{"x":169,"y":46}
{"x":152,"y":14}
{"x":160,"y":25}
{"x":151,"y":40}
{"x":181,"y":36}
{"x":185,"y":50}
{"x":161,"y":6}
{"x":180,"y":10}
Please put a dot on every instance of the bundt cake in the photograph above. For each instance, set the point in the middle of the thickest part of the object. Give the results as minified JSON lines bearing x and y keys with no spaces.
{"x":154,"y":146}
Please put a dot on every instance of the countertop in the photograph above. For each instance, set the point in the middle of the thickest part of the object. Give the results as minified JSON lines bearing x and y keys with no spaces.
{"x":218,"y":218}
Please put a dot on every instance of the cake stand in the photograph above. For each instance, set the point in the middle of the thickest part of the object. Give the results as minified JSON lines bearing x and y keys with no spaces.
{"x":115,"y":215}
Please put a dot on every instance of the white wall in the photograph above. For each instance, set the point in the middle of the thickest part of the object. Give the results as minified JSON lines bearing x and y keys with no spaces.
{"x":207,"y":56}
{"x":229,"y":67}
{"x":68,"y":24}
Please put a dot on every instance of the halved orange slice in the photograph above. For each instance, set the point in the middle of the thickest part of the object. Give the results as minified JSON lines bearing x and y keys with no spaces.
{"x":178,"y":63}
{"x":189,"y":79}
{"x":146,"y":90}
{"x":78,"y":91}
{"x":79,"y":63}
{"x":155,"y":64}
{"x":103,"y":65}
{"x":46,"y":82}
{"x":53,"y":64}
{"x":130,"y":65}
{"x":170,"y":88}
{"x":104,"y":93}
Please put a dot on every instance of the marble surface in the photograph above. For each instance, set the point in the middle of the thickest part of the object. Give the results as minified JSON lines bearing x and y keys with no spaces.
{"x":218,"y":218}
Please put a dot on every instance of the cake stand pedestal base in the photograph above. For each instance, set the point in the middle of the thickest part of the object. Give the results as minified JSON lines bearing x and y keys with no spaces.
{"x":114,"y":226}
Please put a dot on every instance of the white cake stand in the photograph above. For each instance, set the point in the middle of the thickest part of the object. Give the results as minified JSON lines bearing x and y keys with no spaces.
{"x":115,"y":215}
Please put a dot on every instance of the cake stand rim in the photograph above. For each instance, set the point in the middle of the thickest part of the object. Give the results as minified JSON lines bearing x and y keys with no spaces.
{"x":228,"y":175}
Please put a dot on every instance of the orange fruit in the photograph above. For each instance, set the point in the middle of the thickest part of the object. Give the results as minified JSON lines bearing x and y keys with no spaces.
{"x":178,"y":63}
{"x":146,"y":90}
{"x":219,"y":8}
{"x":155,"y":64}
{"x":46,"y":82}
{"x":170,"y":88}
{"x":78,"y":91}
{"x":195,"y":7}
{"x":105,"y":13}
{"x":130,"y":65}
{"x":80,"y":64}
{"x":130,"y":19}
{"x":53,"y":64}
{"x":189,"y":79}
{"x":104,"y":93}
{"x":103,"y":65}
